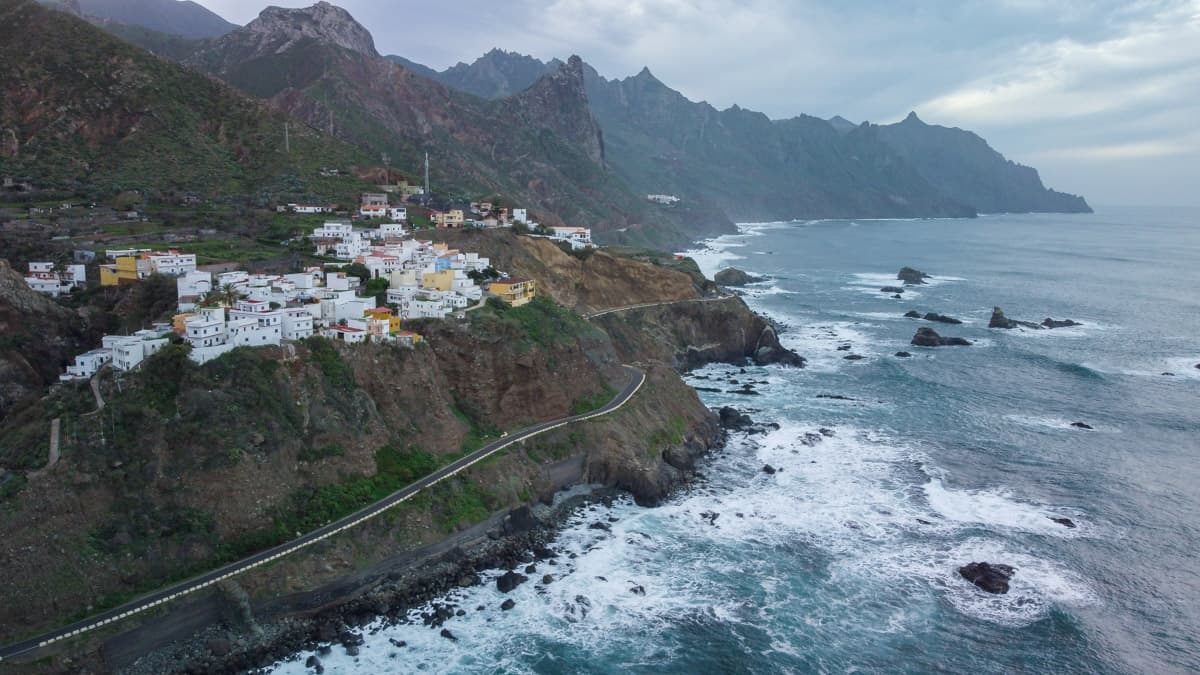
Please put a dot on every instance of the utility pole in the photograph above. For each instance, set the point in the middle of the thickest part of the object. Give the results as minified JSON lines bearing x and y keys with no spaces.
{"x":331,"y":121}
{"x":427,"y":195}
{"x":387,"y":165}
{"x":287,"y":140}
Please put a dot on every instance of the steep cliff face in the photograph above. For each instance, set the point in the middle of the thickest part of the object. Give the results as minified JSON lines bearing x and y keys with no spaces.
{"x":37,"y":337}
{"x":586,"y":283}
{"x":967,"y":169}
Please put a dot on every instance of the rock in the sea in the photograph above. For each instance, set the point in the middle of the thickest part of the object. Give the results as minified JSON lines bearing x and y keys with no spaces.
{"x":600,"y":525}
{"x":912,"y":277}
{"x":732,"y":276}
{"x":448,"y":635}
{"x":1065,"y":522}
{"x":1081,"y":425}
{"x":312,"y":662}
{"x":928,"y":337}
{"x":508,"y":604}
{"x":941,"y":318}
{"x":1065,"y":323}
{"x":732,"y":419}
{"x":912,"y":314}
{"x":891,"y":289}
{"x":854,"y":357}
{"x":769,"y":470}
{"x":547,"y":579}
{"x":903,"y":355}
{"x":638,"y":590}
{"x":510,"y":580}
{"x":998,"y":320}
{"x":989,"y":577}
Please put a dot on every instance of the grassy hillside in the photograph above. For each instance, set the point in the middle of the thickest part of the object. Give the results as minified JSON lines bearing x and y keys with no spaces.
{"x":103,"y":116}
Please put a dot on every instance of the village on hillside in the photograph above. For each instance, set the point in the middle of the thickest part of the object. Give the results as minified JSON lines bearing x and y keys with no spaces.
{"x":378,"y":275}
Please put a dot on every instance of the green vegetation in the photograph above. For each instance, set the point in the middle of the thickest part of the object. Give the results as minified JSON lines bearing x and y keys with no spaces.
{"x":337,"y":372}
{"x":158,"y":128}
{"x":662,"y":439}
{"x":462,"y":502}
{"x":540,"y":323}
{"x":311,"y":508}
{"x":588,"y":403}
{"x":480,"y":431}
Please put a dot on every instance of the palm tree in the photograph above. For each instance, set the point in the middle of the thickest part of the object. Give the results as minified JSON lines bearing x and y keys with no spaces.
{"x":230,"y":295}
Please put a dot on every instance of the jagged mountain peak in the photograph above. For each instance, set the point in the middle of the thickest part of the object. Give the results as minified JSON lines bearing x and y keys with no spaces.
{"x":913,"y":119}
{"x":283,"y":27}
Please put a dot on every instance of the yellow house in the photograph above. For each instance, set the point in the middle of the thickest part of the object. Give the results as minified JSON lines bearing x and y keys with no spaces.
{"x":384,"y":314}
{"x":441,"y":281}
{"x":179,"y":322}
{"x":514,"y":291}
{"x":454,"y":218}
{"x":127,"y":270}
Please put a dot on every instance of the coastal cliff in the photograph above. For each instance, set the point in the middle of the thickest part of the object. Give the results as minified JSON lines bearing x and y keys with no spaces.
{"x":189,"y":466}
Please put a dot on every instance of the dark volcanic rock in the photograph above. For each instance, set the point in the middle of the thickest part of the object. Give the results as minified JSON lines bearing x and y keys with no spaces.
{"x":510,"y":580}
{"x":600,"y":525}
{"x":1065,"y":323}
{"x":912,"y":314}
{"x":732,"y":419}
{"x":903,"y":355}
{"x":989,"y":577}
{"x":508,"y":604}
{"x":448,"y":635}
{"x":854,"y":357}
{"x":927,"y":337}
{"x":638,"y":590}
{"x":731,"y":276}
{"x":891,"y":289}
{"x":941,"y":318}
{"x":1081,"y":425}
{"x":998,"y":320}
{"x":912,"y":277}
{"x":1065,"y":522}
{"x":769,"y":470}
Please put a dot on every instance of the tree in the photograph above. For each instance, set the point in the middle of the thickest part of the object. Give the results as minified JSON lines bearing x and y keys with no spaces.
{"x":358,"y":270}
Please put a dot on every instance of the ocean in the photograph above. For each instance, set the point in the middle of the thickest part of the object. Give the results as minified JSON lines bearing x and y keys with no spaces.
{"x":846,"y":558}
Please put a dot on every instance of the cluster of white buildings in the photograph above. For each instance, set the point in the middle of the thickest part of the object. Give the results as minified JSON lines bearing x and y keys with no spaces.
{"x":124,"y":352}
{"x":346,"y":242}
{"x":663,"y":199}
{"x":375,"y":205}
{"x":43,"y":277}
{"x":213,"y":331}
{"x":577,"y":237}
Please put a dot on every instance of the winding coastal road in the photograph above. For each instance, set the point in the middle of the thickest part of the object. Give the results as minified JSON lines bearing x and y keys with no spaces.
{"x":719,"y":298}
{"x":636,"y":378}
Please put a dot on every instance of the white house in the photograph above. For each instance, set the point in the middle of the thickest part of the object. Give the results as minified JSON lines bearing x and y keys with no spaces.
{"x":130,"y":350}
{"x":297,"y":323}
{"x":345,"y":334}
{"x":87,"y":364}
{"x":397,"y":212}
{"x":206,"y":329}
{"x":190,"y":287}
{"x":520,"y":216}
{"x":172,"y":263}
{"x":44,"y":278}
{"x":309,"y":208}
{"x":577,"y":237}
{"x":663,"y":199}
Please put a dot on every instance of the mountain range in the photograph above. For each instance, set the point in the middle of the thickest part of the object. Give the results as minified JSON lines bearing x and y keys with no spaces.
{"x":577,"y":147}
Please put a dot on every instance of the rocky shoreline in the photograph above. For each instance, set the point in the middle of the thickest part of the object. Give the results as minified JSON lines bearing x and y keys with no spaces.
{"x":239,"y":644}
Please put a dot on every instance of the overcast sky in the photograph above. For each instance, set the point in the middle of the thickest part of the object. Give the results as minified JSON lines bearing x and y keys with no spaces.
{"x":1102,"y":96}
